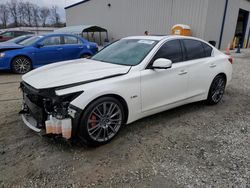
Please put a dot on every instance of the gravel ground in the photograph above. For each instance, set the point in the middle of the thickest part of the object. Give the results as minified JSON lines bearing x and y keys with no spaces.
{"x":190,"y":146}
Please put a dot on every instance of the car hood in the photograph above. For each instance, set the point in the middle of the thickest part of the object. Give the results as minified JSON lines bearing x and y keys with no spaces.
{"x":72,"y":72}
{"x":9,"y":46}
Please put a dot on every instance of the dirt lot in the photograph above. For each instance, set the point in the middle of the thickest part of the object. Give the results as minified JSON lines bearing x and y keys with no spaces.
{"x":191,"y":146}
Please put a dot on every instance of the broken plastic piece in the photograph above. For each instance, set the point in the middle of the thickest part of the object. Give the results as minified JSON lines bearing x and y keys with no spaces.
{"x":66,"y":128}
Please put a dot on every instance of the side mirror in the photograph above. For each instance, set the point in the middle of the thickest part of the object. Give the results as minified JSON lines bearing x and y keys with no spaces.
{"x":39,"y":45}
{"x":162,"y":63}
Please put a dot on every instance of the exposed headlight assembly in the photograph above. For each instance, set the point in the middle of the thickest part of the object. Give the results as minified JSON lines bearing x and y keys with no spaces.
{"x":58,"y":107}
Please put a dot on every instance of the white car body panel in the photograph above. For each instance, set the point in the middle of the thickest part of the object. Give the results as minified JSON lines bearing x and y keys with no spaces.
{"x":68,"y":72}
{"x":145,"y":91}
{"x":163,"y":87}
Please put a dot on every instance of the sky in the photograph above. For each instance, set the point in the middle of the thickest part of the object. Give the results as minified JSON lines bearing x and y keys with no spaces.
{"x":60,"y":3}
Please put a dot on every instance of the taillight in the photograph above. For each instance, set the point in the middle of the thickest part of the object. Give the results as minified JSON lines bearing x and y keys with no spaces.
{"x":230,"y":59}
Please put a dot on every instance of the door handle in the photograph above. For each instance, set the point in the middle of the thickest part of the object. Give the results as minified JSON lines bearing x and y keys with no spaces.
{"x":212,"y":65}
{"x":81,"y":47}
{"x":182,"y":72}
{"x":59,"y":49}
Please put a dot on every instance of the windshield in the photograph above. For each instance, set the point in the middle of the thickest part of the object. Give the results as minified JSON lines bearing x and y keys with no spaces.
{"x":30,"y":41}
{"x":19,"y":39}
{"x":125,"y":52}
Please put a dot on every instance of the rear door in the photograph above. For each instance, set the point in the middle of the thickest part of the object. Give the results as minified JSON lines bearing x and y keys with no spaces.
{"x":201,"y":64}
{"x":72,"y":47}
{"x":160,"y":88}
{"x":51,"y":51}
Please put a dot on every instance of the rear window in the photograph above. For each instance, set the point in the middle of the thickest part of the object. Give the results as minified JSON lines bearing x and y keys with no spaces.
{"x":71,"y":40}
{"x":194,"y":49}
{"x":208,"y":50}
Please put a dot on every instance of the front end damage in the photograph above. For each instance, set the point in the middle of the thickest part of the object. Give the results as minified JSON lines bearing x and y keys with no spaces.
{"x":48,"y":114}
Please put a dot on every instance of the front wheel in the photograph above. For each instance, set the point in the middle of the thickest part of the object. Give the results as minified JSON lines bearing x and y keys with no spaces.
{"x":101,"y":121}
{"x":216,"y":90}
{"x":21,"y":65}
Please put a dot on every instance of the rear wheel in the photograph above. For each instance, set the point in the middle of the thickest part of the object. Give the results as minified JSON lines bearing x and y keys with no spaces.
{"x":21,"y":65}
{"x":101,"y":121}
{"x":216,"y":90}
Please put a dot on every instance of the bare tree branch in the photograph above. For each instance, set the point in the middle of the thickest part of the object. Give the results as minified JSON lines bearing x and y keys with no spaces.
{"x":13,"y":8}
{"x":4,"y":15}
{"x":44,"y":14}
{"x":54,"y":16}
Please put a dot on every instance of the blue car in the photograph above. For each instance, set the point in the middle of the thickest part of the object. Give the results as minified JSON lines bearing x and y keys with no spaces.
{"x":42,"y":50}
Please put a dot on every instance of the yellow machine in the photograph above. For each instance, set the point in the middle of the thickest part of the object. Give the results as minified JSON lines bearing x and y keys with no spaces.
{"x":181,"y":29}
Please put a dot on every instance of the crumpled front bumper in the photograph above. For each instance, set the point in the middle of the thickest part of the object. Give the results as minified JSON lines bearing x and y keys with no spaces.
{"x":33,"y":124}
{"x":30,"y":122}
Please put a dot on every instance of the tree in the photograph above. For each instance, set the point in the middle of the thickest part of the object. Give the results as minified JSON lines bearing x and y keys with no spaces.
{"x":44,"y":14}
{"x":21,"y":13}
{"x":17,"y":13}
{"x":28,"y":9}
{"x":4,"y":15}
{"x":55,"y":17}
{"x":36,"y":18}
{"x":13,"y":8}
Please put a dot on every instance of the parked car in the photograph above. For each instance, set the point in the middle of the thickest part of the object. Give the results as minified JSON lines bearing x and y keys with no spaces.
{"x":130,"y":79}
{"x":17,"y":40}
{"x":7,"y":35}
{"x":13,"y":42}
{"x":42,"y":50}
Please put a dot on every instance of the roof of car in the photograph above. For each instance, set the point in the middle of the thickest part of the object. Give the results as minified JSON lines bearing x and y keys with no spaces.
{"x":148,"y":37}
{"x":61,"y":34}
{"x":162,"y":37}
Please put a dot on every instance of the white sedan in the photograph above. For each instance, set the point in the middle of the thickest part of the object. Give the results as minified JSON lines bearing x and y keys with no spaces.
{"x":90,"y":99}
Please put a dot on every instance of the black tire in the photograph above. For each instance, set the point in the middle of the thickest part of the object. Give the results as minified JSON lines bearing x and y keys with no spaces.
{"x":21,"y":65}
{"x":216,"y":90}
{"x":85,"y":56}
{"x":95,"y":129}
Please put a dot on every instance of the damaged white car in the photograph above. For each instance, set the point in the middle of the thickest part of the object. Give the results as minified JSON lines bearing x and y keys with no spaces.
{"x":90,"y":99}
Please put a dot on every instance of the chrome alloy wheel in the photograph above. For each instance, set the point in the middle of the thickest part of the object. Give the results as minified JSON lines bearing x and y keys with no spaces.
{"x":21,"y":65}
{"x":218,"y":89}
{"x":104,"y":121}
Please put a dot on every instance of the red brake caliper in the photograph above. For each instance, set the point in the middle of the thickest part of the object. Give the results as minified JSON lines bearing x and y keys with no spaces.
{"x":93,"y":118}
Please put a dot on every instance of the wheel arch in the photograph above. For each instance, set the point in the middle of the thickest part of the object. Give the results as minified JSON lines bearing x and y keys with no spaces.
{"x":222,"y":74}
{"x":86,"y":53}
{"x":22,"y":55}
{"x":211,"y":81}
{"x":119,"y":98}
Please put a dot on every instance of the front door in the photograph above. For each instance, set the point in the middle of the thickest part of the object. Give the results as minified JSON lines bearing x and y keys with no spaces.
{"x":50,"y":52}
{"x":160,"y":88}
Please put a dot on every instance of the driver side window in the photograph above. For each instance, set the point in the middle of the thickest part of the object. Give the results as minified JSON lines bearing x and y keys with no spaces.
{"x":170,"y":50}
{"x":52,"y":41}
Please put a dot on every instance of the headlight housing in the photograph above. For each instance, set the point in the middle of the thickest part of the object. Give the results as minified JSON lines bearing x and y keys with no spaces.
{"x":58,"y":106}
{"x":2,"y":55}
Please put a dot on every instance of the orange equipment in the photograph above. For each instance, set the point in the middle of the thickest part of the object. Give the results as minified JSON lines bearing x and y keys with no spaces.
{"x":181,"y":29}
